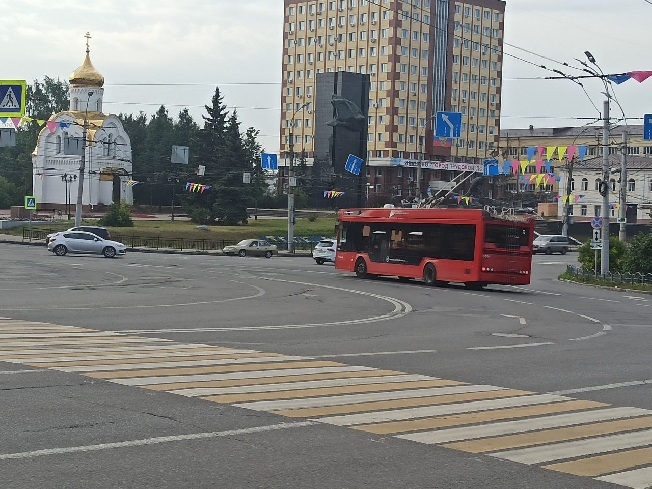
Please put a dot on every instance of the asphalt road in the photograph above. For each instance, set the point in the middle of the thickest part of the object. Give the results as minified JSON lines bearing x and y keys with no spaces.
{"x":167,"y":371}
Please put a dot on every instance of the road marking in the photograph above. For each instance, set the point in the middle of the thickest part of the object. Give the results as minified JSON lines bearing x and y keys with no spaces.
{"x":510,"y":335}
{"x":636,"y":479}
{"x":11,"y":372}
{"x":575,"y":449}
{"x":376,"y":353}
{"x":598,"y":299}
{"x":603,"y":387}
{"x":506,"y":347}
{"x":605,"y":464}
{"x":512,"y":427}
{"x":155,"y":441}
{"x":605,"y":329}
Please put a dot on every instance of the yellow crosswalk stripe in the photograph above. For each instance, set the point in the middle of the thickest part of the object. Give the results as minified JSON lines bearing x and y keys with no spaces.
{"x":135,"y":361}
{"x":551,"y":436}
{"x":605,"y":464}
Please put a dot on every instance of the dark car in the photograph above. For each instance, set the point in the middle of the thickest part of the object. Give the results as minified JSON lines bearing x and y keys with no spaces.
{"x":550,"y":244}
{"x":100,"y":231}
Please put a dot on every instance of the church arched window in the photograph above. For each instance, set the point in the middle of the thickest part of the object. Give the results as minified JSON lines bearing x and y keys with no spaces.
{"x":59,"y":149}
{"x":99,"y":105}
{"x":75,"y":103}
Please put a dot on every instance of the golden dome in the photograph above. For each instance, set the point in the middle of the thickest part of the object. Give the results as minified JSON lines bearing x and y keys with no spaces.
{"x":86,"y":75}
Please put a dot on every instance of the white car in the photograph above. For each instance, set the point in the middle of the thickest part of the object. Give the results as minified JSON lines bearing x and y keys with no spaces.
{"x":325,"y":251}
{"x":83,"y":242}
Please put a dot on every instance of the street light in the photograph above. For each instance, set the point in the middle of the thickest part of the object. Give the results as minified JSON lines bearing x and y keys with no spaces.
{"x":422,"y":138}
{"x":82,"y":166}
{"x":291,"y":181}
{"x":68,"y":179}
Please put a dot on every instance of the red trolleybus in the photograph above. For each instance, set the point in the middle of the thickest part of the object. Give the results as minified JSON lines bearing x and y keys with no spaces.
{"x":469,"y":246}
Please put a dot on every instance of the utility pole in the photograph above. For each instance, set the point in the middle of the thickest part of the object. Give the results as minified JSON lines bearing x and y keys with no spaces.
{"x":82,"y":166}
{"x":569,"y":189}
{"x":291,"y":193}
{"x":622,"y":212}
{"x":604,"y":263}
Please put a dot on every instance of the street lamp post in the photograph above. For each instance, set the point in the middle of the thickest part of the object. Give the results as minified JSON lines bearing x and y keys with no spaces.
{"x":67,"y":180}
{"x":82,"y":166}
{"x":291,"y":182}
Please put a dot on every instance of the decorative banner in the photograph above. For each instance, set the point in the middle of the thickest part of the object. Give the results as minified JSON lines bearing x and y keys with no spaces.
{"x":466,"y":200}
{"x":132,"y":183}
{"x":571,"y":152}
{"x":539,"y":165}
{"x":548,"y":166}
{"x":550,"y":150}
{"x":530,"y":153}
{"x":52,"y":126}
{"x":639,"y":76}
{"x":561,"y":151}
{"x":581,"y":151}
{"x":515,"y":167}
{"x":332,"y":194}
{"x":540,"y":179}
{"x":523,"y":166}
{"x":197,"y":187}
{"x":507,"y":166}
{"x":540,"y":150}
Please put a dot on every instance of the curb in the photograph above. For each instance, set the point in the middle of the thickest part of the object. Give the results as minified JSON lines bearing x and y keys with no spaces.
{"x":615,"y":288}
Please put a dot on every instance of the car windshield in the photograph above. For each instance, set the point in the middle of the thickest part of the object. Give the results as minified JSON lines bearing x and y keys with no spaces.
{"x":543,"y":239}
{"x":325,"y":244}
{"x":243,"y":242}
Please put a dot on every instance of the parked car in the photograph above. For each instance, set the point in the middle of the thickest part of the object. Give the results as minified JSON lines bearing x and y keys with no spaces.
{"x":252,"y":247}
{"x":325,"y":251}
{"x":550,"y":244}
{"x":83,"y":242}
{"x":96,"y":230}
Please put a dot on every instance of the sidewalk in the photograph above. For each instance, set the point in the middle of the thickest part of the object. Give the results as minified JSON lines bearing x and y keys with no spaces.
{"x":18,"y":240}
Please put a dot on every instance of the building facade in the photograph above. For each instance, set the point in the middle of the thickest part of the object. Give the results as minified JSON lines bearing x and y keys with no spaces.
{"x":56,"y":159}
{"x":422,"y":56}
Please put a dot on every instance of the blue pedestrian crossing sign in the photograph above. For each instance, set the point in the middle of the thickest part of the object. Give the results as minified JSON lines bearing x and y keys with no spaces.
{"x":12,"y":98}
{"x":269,"y":161}
{"x":647,"y":127}
{"x":449,"y":125}
{"x":30,"y":203}
{"x":353,"y":164}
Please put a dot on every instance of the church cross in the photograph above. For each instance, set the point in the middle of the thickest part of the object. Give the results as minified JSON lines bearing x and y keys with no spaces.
{"x":88,"y":37}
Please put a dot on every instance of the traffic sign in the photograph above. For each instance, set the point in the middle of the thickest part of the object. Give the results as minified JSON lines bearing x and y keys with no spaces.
{"x":596,"y":223}
{"x":647,"y":126}
{"x":595,"y":245}
{"x":353,"y":164}
{"x":491,"y":168}
{"x":596,"y":237}
{"x":269,"y":161}
{"x":12,"y":98}
{"x":449,"y":125}
{"x":30,"y":203}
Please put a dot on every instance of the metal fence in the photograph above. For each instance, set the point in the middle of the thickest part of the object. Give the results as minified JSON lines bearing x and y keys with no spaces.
{"x":611,"y":278}
{"x":200,"y":244}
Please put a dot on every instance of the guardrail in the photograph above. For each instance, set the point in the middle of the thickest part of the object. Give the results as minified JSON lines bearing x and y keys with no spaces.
{"x":159,"y":242}
{"x":611,"y":278}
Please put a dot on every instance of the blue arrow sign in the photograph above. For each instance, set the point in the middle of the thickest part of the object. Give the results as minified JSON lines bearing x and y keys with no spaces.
{"x":353,"y":164}
{"x":12,"y":98}
{"x":449,"y":125}
{"x":269,"y":161}
{"x":647,"y":127}
{"x":491,"y":168}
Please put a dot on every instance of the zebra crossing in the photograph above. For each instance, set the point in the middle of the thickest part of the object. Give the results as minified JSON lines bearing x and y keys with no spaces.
{"x":552,"y":431}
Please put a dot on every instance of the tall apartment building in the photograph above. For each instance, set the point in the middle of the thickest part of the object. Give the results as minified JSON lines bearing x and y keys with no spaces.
{"x":423,"y":56}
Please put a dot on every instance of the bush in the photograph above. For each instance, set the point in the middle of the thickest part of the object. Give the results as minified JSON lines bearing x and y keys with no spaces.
{"x":117,"y":215}
{"x":639,"y":254}
{"x":199,"y":215}
{"x":312,"y":217}
{"x":617,"y":252}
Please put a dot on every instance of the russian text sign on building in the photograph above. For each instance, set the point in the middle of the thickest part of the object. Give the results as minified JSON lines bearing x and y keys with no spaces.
{"x":12,"y":98}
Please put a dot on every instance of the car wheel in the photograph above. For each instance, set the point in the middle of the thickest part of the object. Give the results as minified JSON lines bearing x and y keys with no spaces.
{"x":109,"y":252}
{"x":242,"y":253}
{"x":320,"y":261}
{"x":268,"y":254}
{"x":361,"y":268}
{"x":60,"y":250}
{"x":564,"y":251}
{"x":430,"y":274}
{"x":548,"y":251}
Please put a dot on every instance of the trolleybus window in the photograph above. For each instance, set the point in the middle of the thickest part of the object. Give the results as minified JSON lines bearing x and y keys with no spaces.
{"x":506,"y":237}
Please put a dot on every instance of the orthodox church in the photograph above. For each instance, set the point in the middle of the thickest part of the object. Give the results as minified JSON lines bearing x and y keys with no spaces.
{"x":57,"y":159}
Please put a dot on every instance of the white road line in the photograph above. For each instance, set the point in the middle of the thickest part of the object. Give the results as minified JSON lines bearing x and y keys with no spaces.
{"x":597,"y":299}
{"x":510,"y":335}
{"x":519,"y":302}
{"x":326,"y":401}
{"x":559,"y":309}
{"x":190,"y":363}
{"x":11,"y":372}
{"x":257,"y":374}
{"x":429,"y":411}
{"x":506,"y":347}
{"x":289,"y":386}
{"x":373,"y":354}
{"x":81,"y":343}
{"x":589,"y":318}
{"x":521,"y":320}
{"x":574,"y":449}
{"x":522,"y":426}
{"x":636,"y":479}
{"x":62,"y":334}
{"x":153,"y":441}
{"x":604,"y":331}
{"x":603,"y":387}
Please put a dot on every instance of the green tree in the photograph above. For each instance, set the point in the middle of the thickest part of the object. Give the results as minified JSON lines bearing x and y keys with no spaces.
{"x":117,"y":215}
{"x":638,"y":258}
{"x":10,"y":194}
{"x":617,"y":252}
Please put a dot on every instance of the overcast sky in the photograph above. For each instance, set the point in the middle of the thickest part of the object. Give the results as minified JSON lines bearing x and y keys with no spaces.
{"x":196,"y":44}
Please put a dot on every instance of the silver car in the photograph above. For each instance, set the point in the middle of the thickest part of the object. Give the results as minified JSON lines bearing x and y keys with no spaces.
{"x":83,"y":242}
{"x":252,"y":247}
{"x":550,"y":244}
{"x":325,"y":251}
